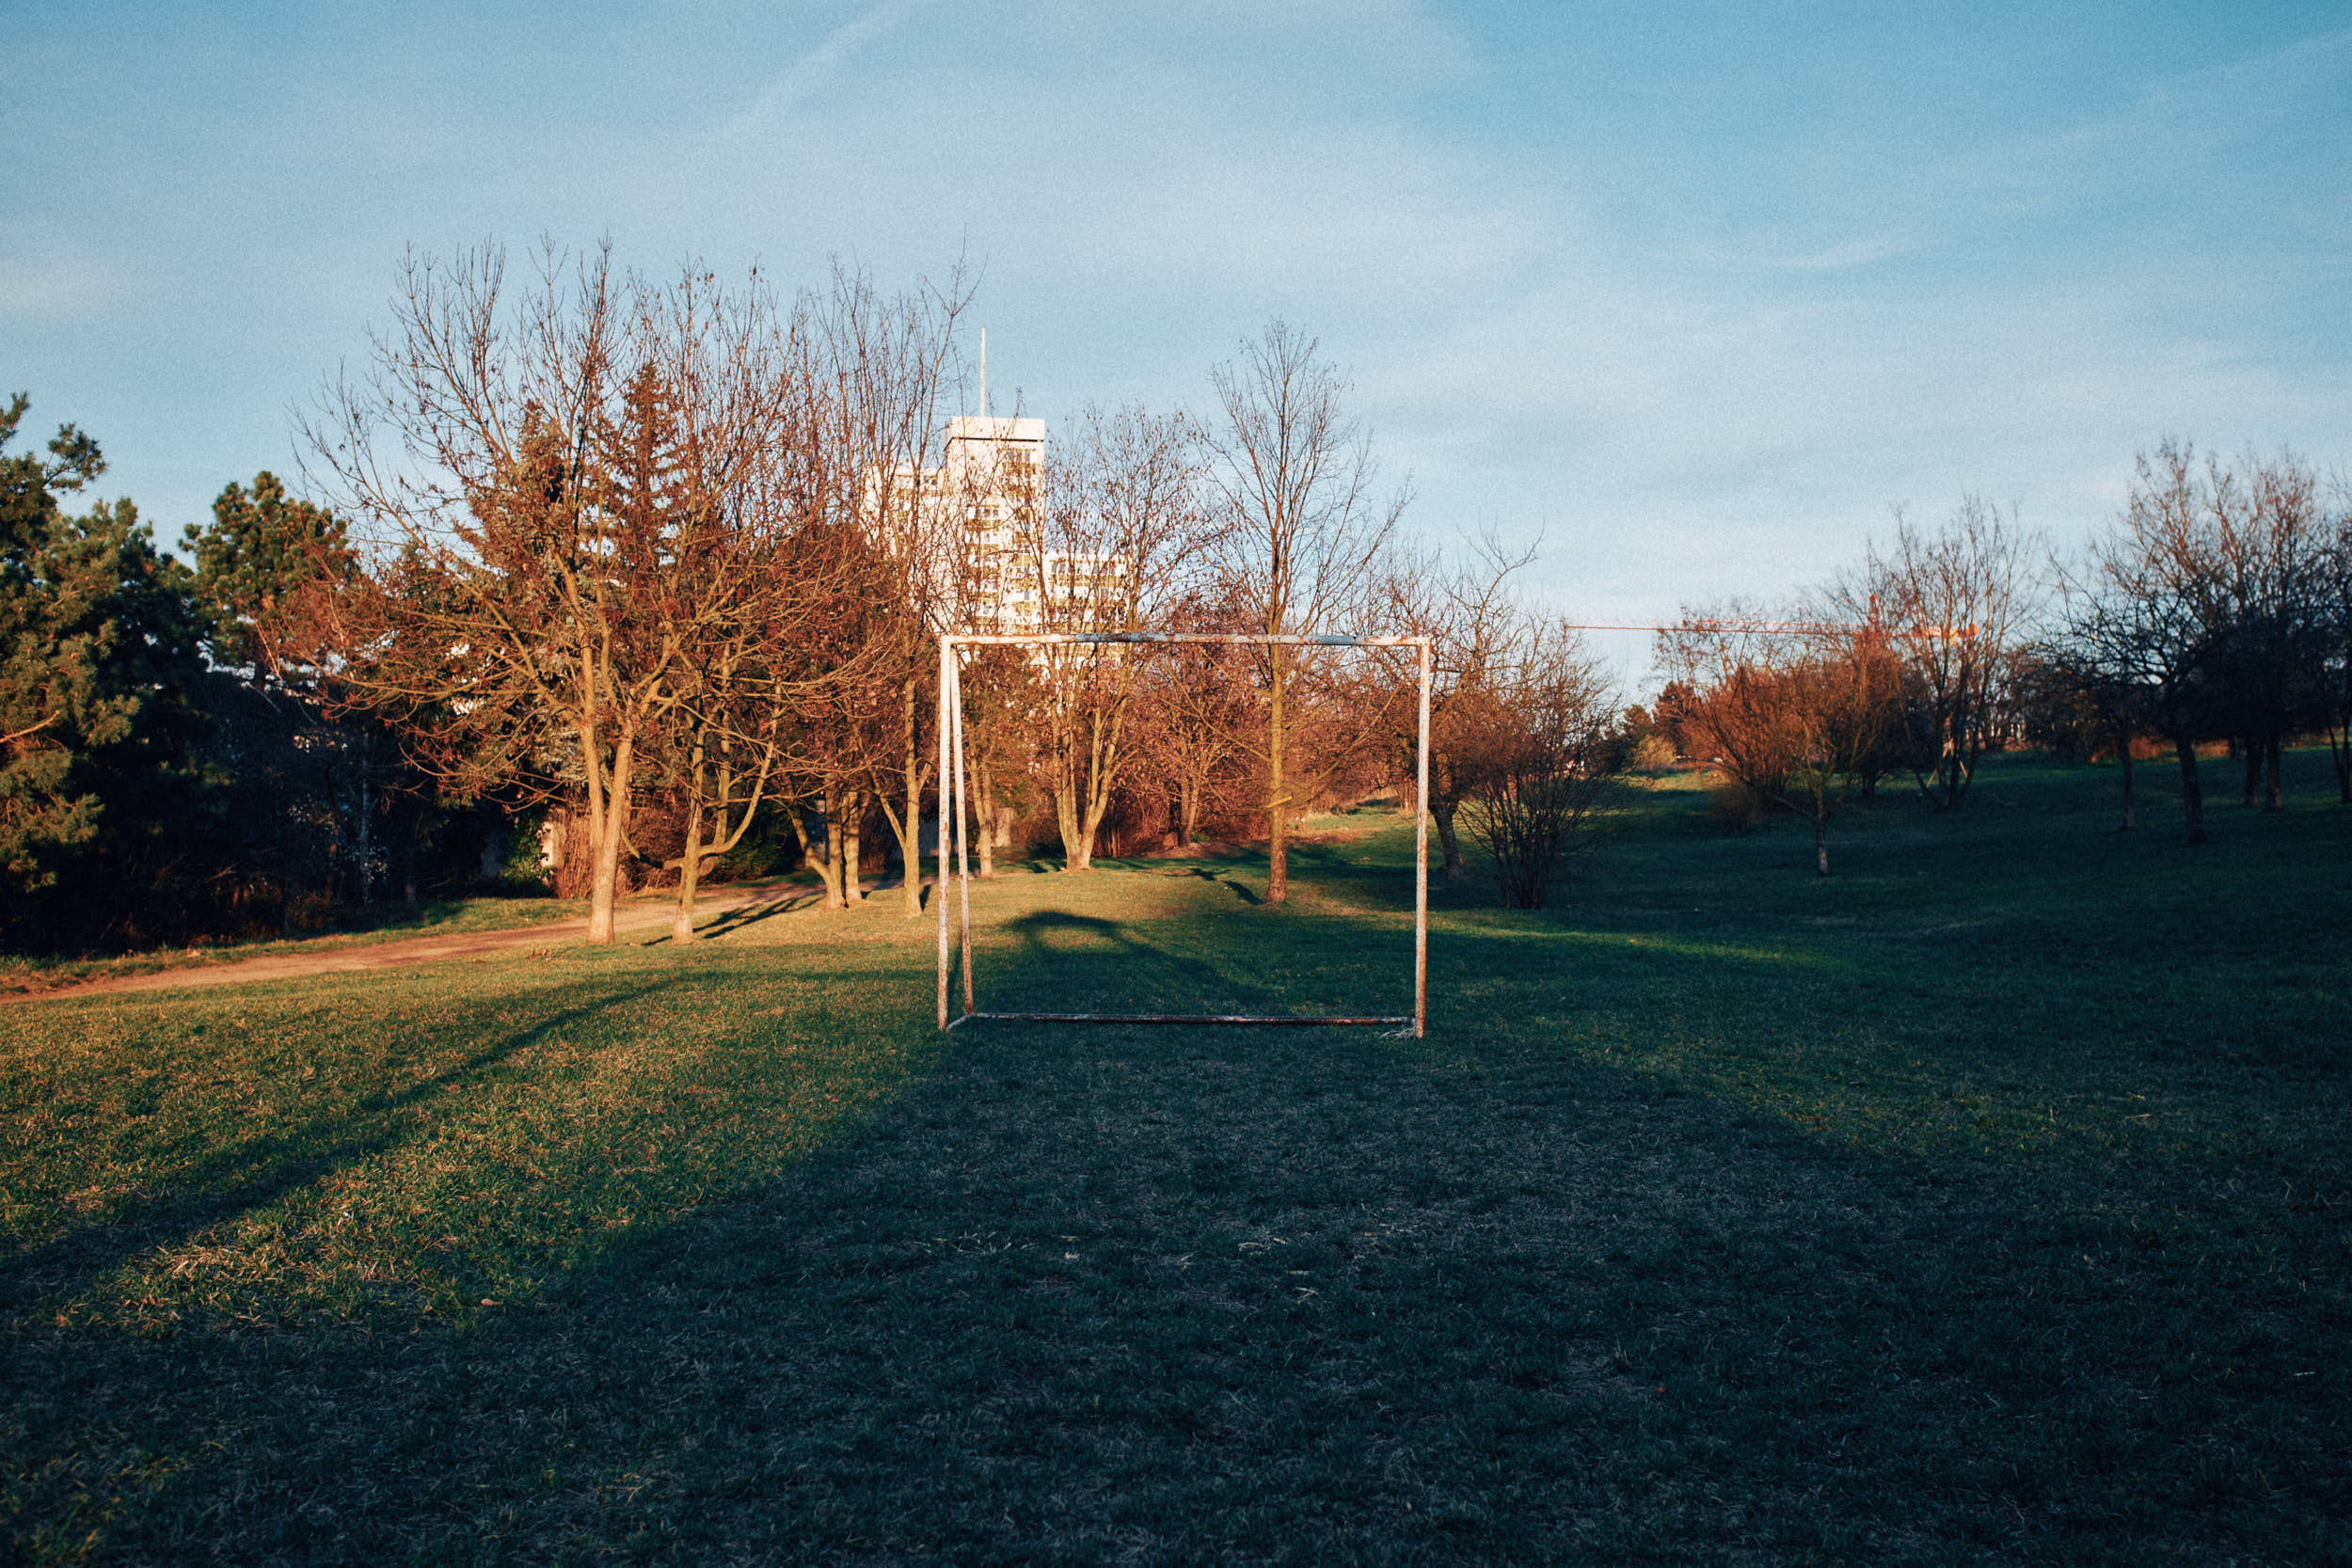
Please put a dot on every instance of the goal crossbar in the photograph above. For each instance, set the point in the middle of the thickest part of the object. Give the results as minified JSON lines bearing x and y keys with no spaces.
{"x":1064,"y":639}
{"x":952,"y":805}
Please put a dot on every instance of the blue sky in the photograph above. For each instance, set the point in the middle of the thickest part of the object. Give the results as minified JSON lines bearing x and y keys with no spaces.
{"x":1696,"y":293}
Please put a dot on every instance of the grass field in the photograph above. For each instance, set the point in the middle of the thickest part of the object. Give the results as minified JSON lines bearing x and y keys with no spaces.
{"x":1986,"y":1202}
{"x":383,"y":923}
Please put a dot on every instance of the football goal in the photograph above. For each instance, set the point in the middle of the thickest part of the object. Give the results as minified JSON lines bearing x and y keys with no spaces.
{"x":952,"y":816}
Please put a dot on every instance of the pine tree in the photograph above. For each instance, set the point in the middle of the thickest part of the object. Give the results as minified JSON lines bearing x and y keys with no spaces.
{"x":98,"y":651}
{"x":267,"y":572}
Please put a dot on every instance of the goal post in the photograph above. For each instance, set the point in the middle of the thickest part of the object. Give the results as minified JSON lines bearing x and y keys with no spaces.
{"x":953,"y":815}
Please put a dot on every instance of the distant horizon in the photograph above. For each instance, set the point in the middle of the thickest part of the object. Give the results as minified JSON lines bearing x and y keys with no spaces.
{"x":1698,"y":303}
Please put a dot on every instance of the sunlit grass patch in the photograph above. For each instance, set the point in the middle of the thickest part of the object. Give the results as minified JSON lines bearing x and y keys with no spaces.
{"x":372,"y":927}
{"x":364,"y":1150}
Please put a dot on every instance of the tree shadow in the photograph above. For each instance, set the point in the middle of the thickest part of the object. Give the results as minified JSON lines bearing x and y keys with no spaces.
{"x":1067,"y":962}
{"x":746,"y":915}
{"x":1088,"y":1294}
{"x":1218,"y":879}
{"x":255,"y":1172}
{"x":1669,"y":1257}
{"x":794,"y":901}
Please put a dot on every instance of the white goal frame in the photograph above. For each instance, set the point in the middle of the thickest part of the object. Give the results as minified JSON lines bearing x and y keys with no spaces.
{"x":951,"y":756}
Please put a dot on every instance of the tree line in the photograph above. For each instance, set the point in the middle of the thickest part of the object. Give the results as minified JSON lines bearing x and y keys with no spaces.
{"x":657,"y":567}
{"x":659,"y":564}
{"x":2215,"y":609}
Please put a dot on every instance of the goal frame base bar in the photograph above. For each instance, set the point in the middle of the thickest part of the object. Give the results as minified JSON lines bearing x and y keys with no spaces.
{"x":1181,"y":1018}
{"x":952,"y":802}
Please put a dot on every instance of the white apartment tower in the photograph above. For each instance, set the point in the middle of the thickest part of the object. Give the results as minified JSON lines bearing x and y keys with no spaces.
{"x":979,"y":519}
{"x":992,"y":479}
{"x":984,"y":531}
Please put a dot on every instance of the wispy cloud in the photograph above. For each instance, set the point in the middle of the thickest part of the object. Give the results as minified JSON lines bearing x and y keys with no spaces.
{"x":1836,"y":258}
{"x":55,"y":287}
{"x":804,"y":76}
{"x":1699,"y":301}
{"x":1861,"y":253}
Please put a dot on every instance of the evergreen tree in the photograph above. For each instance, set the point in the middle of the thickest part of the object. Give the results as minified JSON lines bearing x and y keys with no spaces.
{"x":97,"y":652}
{"x":267,"y":573}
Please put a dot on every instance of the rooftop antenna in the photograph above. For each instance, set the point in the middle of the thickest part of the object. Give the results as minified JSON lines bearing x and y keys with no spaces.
{"x":983,"y":372}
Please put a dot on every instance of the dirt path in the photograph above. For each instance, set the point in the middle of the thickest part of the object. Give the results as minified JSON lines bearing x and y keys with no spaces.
{"x":426,"y":949}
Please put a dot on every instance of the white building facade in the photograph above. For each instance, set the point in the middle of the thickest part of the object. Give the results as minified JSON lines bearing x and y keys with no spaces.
{"x":987,"y":538}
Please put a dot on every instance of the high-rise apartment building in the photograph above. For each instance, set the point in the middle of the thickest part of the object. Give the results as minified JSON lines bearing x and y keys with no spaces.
{"x":988,"y":539}
{"x":992,"y":482}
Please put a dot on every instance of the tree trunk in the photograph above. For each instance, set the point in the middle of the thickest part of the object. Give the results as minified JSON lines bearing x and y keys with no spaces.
{"x":1101,"y":761}
{"x":2251,"y":747}
{"x":690,"y":865}
{"x":813,"y":857}
{"x":367,"y":818}
{"x":608,"y":822}
{"x":722,"y":837}
{"x":1449,"y":844}
{"x":835,"y":896}
{"x":691,"y":856}
{"x":1820,"y":844}
{"x":605,"y":874}
{"x":1078,"y":851}
{"x":909,"y":828}
{"x":983,"y":811}
{"x":852,"y":873}
{"x":2123,"y":753}
{"x":2273,"y":791}
{"x":2339,"y":753}
{"x":2192,"y":788}
{"x":905,"y":832}
{"x":1277,"y":879}
{"x":1948,"y":765}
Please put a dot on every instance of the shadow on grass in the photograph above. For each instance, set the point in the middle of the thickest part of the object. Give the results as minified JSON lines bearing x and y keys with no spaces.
{"x":1218,"y":879}
{"x":1647,"y":1255}
{"x":1182,"y":1296}
{"x":1068,"y":962}
{"x":256,"y":1171}
{"x":747,"y":915}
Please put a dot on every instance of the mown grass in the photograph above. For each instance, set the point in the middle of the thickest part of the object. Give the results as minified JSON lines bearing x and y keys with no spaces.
{"x":381,"y":922}
{"x":1985,"y":1202}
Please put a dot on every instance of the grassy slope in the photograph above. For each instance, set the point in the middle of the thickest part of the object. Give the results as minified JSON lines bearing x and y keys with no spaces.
{"x":1988,"y":1201}
{"x":388,"y":921}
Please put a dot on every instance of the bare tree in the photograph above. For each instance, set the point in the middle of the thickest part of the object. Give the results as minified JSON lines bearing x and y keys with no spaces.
{"x":2068,"y":701}
{"x":999,"y":689}
{"x":1302,"y":533}
{"x":1951,"y":604}
{"x":1200,"y":705}
{"x":723,"y":773}
{"x":1794,"y":714}
{"x":749,"y":690}
{"x":1537,"y":750}
{"x":2206,"y":602}
{"x":831,"y":766}
{"x":1476,"y":630}
{"x":886,"y":363}
{"x":2272,"y":543}
{"x":2129,"y":629}
{"x":559,"y":483}
{"x":1121,"y":532}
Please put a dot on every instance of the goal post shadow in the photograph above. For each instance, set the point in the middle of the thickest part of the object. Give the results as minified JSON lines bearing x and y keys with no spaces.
{"x":951,"y":800}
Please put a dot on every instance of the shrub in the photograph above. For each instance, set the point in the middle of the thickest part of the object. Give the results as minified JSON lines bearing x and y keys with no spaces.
{"x":1736,"y":807}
